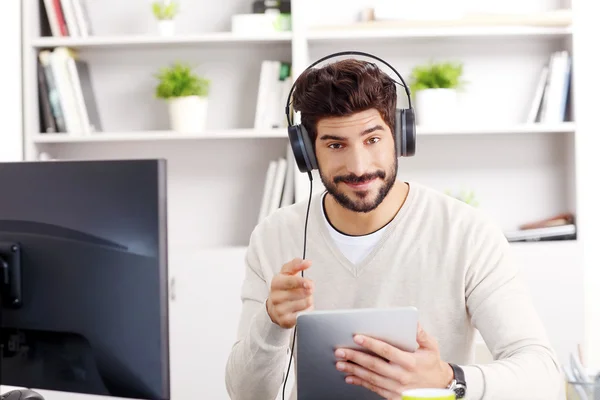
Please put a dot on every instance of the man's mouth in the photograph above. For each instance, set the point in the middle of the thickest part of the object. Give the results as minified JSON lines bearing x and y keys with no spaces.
{"x":360,"y":185}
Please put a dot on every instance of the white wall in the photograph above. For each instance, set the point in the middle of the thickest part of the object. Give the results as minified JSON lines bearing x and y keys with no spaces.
{"x":588,"y":165}
{"x":10,"y":68}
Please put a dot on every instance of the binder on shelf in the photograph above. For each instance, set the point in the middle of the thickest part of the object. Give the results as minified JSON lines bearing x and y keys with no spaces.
{"x":48,"y":120}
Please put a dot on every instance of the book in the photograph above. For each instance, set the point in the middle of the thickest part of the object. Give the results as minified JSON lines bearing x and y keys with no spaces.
{"x":66,"y":18}
{"x":66,"y":87}
{"x":550,"y":100}
{"x":274,"y":84}
{"x":561,"y":232}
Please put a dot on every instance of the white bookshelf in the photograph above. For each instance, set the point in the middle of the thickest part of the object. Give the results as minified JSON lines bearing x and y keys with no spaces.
{"x":333,"y":34}
{"x":11,"y":139}
{"x":146,"y":41}
{"x":508,"y":129}
{"x":149,"y":136}
{"x":520,"y":172}
{"x":123,"y":58}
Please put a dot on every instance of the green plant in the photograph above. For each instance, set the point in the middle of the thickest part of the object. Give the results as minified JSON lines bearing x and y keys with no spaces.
{"x":441,"y":75}
{"x":178,"y":80}
{"x":464,"y":196}
{"x":164,"y":9}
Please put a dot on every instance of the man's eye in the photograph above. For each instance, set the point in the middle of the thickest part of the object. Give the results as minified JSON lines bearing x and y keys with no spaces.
{"x":373,"y":140}
{"x":335,"y":146}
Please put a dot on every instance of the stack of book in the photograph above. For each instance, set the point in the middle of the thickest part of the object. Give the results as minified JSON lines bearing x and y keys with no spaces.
{"x":551,"y":97}
{"x":66,"y":97}
{"x":279,"y":186}
{"x":67,"y":18}
{"x":560,"y":227}
{"x":274,"y":84}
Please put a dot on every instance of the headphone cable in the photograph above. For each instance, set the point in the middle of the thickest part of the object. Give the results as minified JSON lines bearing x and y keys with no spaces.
{"x":302,"y":274}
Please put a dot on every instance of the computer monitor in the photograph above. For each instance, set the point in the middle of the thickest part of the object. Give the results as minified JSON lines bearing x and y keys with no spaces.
{"x":83,"y":260}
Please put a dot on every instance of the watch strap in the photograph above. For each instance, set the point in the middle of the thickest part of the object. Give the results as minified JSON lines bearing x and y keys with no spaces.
{"x":459,"y":374}
{"x":459,"y":385}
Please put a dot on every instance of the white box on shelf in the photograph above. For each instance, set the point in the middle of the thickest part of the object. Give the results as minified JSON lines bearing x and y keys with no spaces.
{"x":259,"y":23}
{"x":422,"y":10}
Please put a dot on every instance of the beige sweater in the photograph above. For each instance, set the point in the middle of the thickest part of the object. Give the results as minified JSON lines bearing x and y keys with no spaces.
{"x":438,"y":254}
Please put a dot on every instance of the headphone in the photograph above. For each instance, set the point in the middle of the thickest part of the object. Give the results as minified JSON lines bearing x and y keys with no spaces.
{"x":404,"y":128}
{"x":405,"y":139}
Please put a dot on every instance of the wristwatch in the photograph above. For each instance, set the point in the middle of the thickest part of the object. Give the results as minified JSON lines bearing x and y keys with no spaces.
{"x":458,"y":384}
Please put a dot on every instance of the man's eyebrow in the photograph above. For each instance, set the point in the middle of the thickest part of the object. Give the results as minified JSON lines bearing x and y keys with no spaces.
{"x":371,"y":130}
{"x":341,"y":138}
{"x":332,"y":137}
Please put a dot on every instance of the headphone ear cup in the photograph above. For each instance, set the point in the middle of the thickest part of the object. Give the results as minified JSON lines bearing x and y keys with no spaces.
{"x":310,"y":151}
{"x":406,"y":132}
{"x":302,"y":148}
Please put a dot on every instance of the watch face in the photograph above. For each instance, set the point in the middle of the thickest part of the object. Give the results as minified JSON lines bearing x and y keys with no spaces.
{"x":460,"y":391}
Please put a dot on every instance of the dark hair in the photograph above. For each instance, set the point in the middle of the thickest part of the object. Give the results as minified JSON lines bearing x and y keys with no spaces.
{"x":343,"y":88}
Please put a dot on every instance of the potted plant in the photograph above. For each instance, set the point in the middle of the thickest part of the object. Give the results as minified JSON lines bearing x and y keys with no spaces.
{"x":436,"y":87}
{"x":187,"y":96}
{"x":165,"y":11}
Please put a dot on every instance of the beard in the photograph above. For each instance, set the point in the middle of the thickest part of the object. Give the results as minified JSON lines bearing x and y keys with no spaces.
{"x":357,"y":200}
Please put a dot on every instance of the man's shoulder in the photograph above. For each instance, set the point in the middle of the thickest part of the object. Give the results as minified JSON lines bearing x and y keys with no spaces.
{"x":456,"y":215}
{"x":284,"y":221}
{"x":285,"y":215}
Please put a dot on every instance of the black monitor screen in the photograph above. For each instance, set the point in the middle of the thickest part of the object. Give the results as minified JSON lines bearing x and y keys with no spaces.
{"x":83,"y":261}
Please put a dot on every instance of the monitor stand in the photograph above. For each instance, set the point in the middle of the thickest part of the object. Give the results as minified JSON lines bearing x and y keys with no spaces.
{"x":21,"y":394}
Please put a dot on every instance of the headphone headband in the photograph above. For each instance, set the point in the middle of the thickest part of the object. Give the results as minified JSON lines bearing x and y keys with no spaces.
{"x":343,"y":53}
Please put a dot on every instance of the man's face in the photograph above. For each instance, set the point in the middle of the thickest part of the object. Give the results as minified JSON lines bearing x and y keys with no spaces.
{"x":357,"y":159}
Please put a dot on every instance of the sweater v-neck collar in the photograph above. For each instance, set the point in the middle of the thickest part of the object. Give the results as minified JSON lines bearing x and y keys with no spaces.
{"x":357,"y":268}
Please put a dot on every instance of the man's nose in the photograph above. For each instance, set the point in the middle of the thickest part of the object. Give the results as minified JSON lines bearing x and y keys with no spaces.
{"x":357,"y":162}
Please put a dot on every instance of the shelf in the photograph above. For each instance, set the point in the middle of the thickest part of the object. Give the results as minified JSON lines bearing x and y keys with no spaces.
{"x":520,"y":129}
{"x":543,"y":245}
{"x":567,"y":127}
{"x":159,"y":136}
{"x":323,"y":36}
{"x":219,"y":38}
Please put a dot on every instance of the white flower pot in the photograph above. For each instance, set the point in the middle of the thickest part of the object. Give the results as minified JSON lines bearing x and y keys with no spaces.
{"x":436,"y":107}
{"x":188,"y":114}
{"x":166,"y":27}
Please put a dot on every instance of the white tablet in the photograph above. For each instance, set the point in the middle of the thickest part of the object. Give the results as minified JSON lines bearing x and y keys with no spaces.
{"x":320,"y":333}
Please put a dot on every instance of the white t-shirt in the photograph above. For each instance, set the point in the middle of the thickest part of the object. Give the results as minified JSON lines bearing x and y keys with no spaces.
{"x":354,"y":248}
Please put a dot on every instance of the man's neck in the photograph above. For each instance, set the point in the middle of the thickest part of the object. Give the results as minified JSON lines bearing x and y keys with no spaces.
{"x":355,"y":223}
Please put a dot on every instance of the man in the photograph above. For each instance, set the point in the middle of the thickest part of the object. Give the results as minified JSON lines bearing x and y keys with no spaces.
{"x":376,"y":241}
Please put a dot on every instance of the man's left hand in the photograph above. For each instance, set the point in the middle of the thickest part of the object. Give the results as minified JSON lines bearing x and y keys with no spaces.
{"x":396,"y":370}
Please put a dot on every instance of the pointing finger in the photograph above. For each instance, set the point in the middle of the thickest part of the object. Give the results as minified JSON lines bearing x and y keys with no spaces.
{"x":295,"y":266}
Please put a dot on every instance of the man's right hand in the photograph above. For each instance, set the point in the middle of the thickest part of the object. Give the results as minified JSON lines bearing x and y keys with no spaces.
{"x":290,"y":294}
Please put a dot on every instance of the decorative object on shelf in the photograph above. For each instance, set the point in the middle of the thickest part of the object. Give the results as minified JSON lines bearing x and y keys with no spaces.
{"x":436,"y":87}
{"x":267,"y":16}
{"x":466,"y":196}
{"x":267,"y":6}
{"x":165,"y":11}
{"x":367,"y":14}
{"x":187,"y":96}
